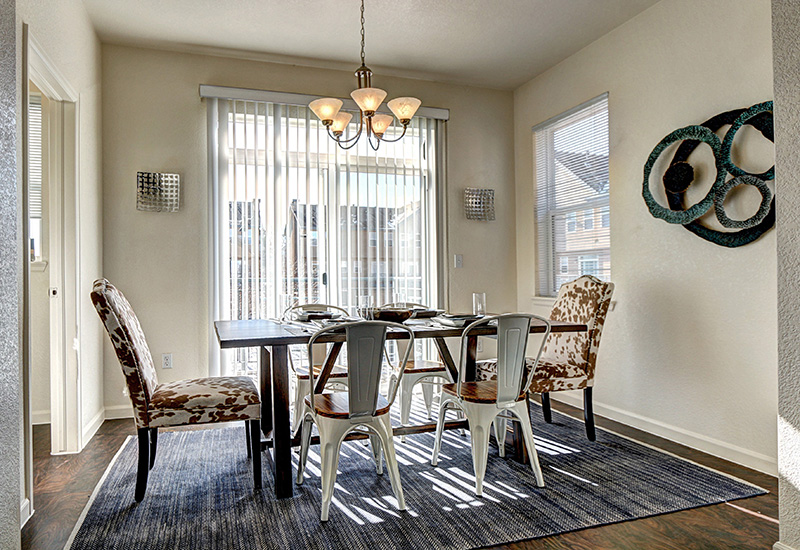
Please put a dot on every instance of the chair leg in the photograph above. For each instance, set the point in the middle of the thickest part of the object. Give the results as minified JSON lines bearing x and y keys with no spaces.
{"x":406,"y":393}
{"x":301,"y":388}
{"x":331,"y":434}
{"x":153,"y":445}
{"x":384,"y":428}
{"x":255,"y":444}
{"x":521,"y":411}
{"x":377,"y":453}
{"x":247,"y":437}
{"x":480,"y":417}
{"x":500,"y":434}
{"x":437,"y":441}
{"x":305,"y":441}
{"x":548,"y":415}
{"x":144,"y":463}
{"x":588,"y":414}
{"x":427,"y":395}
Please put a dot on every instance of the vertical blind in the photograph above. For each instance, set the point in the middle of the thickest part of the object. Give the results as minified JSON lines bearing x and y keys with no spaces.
{"x":35,"y":156}
{"x":299,"y":220}
{"x":572,"y":211}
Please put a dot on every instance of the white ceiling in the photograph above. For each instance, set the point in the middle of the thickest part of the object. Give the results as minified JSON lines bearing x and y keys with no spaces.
{"x":493,"y":43}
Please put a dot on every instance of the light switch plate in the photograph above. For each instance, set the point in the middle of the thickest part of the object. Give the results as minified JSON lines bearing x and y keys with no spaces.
{"x":458,"y":261}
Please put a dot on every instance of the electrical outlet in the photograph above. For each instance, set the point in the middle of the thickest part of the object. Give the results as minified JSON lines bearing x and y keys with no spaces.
{"x":480,"y":345}
{"x":458,"y":261}
{"x":166,"y":360}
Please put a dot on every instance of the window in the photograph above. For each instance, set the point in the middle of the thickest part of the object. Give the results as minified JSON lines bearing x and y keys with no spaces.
{"x":290,"y":205}
{"x":35,"y":175}
{"x":572,"y":196}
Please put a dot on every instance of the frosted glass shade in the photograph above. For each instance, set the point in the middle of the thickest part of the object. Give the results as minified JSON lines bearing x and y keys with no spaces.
{"x":340,"y":122}
{"x":368,"y":99}
{"x":326,"y":108}
{"x":404,"y":107}
{"x":380,"y":123}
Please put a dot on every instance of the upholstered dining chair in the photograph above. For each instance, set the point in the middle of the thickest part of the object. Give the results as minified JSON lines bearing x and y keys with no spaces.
{"x":172,"y":404}
{"x":363,"y":406}
{"x":338,"y":376}
{"x":418,"y":371}
{"x":488,"y":402}
{"x":569,"y":358}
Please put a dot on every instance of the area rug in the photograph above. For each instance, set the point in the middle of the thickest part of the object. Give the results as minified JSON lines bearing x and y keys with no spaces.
{"x":200,"y":494}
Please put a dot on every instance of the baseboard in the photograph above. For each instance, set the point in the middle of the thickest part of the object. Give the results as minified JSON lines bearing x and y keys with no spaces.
{"x":733,"y":453}
{"x":119,"y":411}
{"x":25,"y":512}
{"x":40,"y":417}
{"x":780,"y":546}
{"x":92,"y":426}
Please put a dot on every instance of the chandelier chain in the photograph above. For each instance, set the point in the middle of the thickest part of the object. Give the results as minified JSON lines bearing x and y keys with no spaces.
{"x":362,"y":33}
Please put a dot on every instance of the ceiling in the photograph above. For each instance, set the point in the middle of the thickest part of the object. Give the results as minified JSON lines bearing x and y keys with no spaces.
{"x":491,"y":43}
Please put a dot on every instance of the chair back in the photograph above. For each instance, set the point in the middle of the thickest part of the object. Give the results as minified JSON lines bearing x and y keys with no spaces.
{"x":130,"y":345}
{"x":513,"y":330}
{"x":320,"y":351}
{"x":584,"y":300}
{"x":365,"y":341}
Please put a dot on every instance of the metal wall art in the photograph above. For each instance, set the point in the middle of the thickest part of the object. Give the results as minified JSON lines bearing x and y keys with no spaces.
{"x":680,"y":175}
{"x":158,"y":192}
{"x":479,"y":204}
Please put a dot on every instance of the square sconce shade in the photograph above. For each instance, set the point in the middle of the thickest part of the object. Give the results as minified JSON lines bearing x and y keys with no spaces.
{"x":479,"y":204}
{"x":158,"y":192}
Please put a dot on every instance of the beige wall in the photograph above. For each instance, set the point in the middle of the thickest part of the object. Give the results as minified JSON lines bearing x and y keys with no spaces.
{"x":63,"y":30}
{"x":153,"y":119}
{"x":690,"y":350}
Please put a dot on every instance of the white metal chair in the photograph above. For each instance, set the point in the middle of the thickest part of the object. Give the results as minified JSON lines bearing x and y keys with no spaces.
{"x":495,"y":401}
{"x":338,"y":377}
{"x":362,"y":406}
{"x":429,"y":373}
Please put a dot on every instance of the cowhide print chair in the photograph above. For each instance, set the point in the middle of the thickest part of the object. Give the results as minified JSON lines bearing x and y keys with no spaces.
{"x":181,"y":403}
{"x":569,"y":358}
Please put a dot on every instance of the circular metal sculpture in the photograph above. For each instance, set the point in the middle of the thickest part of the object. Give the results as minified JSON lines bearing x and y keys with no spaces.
{"x":680,"y":175}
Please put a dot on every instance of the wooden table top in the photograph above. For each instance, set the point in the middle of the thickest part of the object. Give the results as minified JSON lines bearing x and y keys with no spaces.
{"x":265,"y":332}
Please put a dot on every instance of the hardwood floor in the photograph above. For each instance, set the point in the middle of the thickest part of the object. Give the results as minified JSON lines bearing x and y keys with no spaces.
{"x":63,"y":484}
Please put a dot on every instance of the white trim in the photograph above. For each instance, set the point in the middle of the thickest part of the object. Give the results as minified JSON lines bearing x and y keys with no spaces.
{"x":40,"y":417}
{"x":781,"y":546}
{"x":733,"y":453}
{"x":118,"y":411}
{"x":93,"y":425}
{"x":39,"y":266}
{"x":46,"y":76}
{"x":94,"y":494}
{"x":544,"y":301}
{"x":289,"y":98}
{"x":25,"y":512}
{"x":570,"y":112}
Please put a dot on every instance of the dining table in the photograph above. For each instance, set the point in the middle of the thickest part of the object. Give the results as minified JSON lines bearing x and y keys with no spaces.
{"x":273,"y":338}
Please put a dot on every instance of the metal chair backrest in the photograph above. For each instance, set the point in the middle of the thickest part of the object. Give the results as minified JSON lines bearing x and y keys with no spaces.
{"x":321,"y":350}
{"x":513,"y":330}
{"x":365,"y":341}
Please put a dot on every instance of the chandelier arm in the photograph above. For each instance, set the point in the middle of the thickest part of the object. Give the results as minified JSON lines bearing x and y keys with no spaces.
{"x":397,"y":139}
{"x":377,"y":144}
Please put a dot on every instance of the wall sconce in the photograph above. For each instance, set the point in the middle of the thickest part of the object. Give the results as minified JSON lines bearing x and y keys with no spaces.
{"x":158,"y":192}
{"x":479,"y":204}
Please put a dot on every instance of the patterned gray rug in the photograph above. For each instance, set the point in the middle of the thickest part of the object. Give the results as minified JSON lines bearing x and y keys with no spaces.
{"x":200,"y":494}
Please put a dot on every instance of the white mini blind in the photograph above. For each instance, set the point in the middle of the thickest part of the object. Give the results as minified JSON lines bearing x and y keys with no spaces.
{"x":35,"y":156}
{"x":572,"y":211}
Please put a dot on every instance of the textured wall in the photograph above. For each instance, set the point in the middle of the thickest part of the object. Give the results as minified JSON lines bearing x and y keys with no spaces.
{"x":690,"y":352}
{"x":9,"y":283}
{"x":786,"y":52}
{"x":160,"y":261}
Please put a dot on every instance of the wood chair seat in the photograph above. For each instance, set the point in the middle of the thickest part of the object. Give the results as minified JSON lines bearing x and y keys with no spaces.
{"x":477,"y":392}
{"x":303,"y":373}
{"x":336,"y":405}
{"x":424,"y":366}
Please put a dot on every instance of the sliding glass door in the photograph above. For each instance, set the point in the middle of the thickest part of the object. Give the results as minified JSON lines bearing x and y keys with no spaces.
{"x":298,"y":220}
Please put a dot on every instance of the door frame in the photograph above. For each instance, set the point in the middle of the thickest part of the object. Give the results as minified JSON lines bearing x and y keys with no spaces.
{"x":63,"y":181}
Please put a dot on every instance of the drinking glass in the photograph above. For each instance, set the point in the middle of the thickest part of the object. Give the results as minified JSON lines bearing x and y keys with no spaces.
{"x":365,"y":306}
{"x":479,"y":303}
{"x":400,"y":299}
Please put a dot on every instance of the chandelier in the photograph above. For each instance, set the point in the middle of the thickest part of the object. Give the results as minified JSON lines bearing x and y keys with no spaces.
{"x":368,"y":99}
